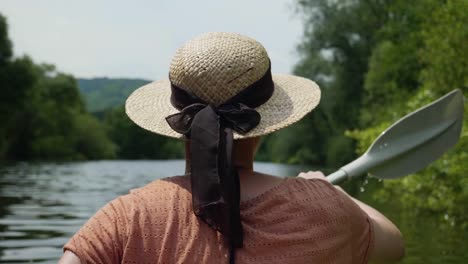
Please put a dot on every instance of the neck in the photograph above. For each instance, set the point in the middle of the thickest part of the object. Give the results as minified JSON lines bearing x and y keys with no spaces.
{"x":243,"y":154}
{"x":241,"y":165}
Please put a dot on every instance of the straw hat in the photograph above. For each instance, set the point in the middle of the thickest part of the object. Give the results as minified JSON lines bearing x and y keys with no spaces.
{"x":215,"y":67}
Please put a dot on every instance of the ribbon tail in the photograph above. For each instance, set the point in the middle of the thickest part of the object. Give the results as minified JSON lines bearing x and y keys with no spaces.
{"x":231,"y":188}
{"x":214,"y":178}
{"x":207,"y":197}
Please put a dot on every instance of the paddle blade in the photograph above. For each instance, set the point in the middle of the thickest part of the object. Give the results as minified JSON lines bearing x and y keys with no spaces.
{"x":414,"y":141}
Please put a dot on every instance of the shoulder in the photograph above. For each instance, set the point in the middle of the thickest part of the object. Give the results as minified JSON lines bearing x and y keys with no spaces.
{"x":319,"y":189}
{"x":162,"y":188}
{"x":324,"y":198}
{"x":104,"y":236}
{"x":312,"y":187}
{"x":342,"y":213}
{"x":299,"y":195}
{"x":160,"y":194}
{"x":165,"y":194}
{"x":168,"y":183}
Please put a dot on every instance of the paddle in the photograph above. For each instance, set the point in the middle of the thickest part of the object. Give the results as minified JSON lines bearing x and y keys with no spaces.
{"x":411,"y":143}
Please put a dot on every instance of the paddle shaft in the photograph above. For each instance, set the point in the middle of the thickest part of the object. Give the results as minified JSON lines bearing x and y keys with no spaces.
{"x":337,"y":177}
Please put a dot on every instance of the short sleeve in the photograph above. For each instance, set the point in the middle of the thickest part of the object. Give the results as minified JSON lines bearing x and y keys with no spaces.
{"x":102,"y":238}
{"x":362,"y":232}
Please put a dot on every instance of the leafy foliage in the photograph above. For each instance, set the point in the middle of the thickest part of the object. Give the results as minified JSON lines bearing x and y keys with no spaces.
{"x":42,"y":112}
{"x":337,"y":43}
{"x":136,"y":143}
{"x":418,"y":59}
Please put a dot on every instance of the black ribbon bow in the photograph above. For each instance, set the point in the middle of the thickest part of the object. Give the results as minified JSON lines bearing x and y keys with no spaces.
{"x":214,"y":178}
{"x":238,"y":116}
{"x":215,"y":188}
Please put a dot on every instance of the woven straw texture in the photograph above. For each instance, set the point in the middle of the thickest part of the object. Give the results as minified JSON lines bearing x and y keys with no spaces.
{"x":216,"y":67}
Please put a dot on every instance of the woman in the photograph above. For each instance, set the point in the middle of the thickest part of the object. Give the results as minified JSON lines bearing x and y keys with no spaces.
{"x":221,"y":89}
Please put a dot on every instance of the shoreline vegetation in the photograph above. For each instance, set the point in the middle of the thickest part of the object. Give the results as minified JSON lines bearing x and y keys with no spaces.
{"x":374,"y":60}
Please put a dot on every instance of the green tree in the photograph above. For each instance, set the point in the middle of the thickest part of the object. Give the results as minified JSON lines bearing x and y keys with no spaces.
{"x":42,"y":112}
{"x":136,"y":143}
{"x":420,"y":56}
{"x":16,"y":81}
{"x":55,"y":124}
{"x":338,"y":39}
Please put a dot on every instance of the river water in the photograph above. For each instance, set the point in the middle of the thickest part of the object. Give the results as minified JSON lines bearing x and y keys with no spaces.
{"x":43,"y":205}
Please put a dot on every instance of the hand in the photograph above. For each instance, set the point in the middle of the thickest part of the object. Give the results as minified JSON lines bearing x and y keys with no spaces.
{"x":312,"y":175}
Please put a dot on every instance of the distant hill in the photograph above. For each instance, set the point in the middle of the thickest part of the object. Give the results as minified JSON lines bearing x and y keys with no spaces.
{"x":104,"y":93}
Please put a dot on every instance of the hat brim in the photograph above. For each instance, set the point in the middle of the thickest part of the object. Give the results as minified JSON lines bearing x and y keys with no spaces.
{"x":292,"y":99}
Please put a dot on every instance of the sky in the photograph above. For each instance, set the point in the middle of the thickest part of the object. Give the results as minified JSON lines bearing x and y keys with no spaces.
{"x":137,"y":39}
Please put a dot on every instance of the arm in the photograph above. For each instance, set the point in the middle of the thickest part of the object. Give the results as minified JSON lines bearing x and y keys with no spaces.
{"x":69,"y":258}
{"x":388,"y":241}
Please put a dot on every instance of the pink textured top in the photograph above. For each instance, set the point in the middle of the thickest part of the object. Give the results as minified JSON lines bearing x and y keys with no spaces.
{"x":298,"y":221}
